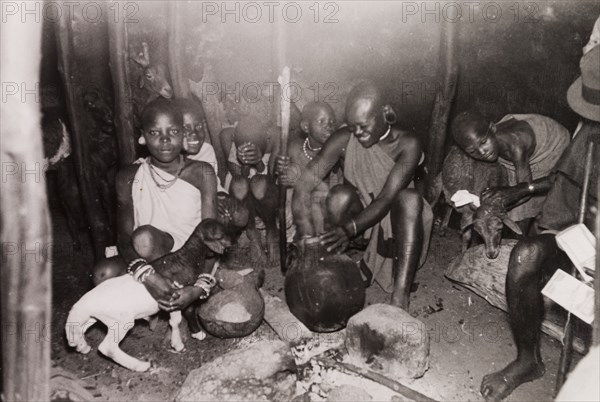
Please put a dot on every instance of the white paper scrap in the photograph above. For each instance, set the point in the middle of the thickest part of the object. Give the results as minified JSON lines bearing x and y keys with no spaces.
{"x":463,"y":197}
{"x":571,"y":294}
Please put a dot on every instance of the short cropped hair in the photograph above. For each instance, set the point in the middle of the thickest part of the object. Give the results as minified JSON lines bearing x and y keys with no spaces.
{"x":160,"y":105}
{"x":466,"y":121}
{"x":191,"y":106}
{"x":310,"y":108}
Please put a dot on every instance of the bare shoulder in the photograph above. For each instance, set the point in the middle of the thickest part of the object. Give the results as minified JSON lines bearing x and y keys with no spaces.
{"x":124,"y":181}
{"x":409,"y":138}
{"x":520,"y":134}
{"x":126,"y":175}
{"x":197,"y":172}
{"x":407,"y":141}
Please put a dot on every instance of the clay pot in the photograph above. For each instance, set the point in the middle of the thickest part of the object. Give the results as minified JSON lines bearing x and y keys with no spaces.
{"x":323,"y":290}
{"x":234,"y":312}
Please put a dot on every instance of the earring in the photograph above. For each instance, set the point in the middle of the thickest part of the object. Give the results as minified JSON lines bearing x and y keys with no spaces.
{"x":390,"y":116}
{"x":142,"y":140}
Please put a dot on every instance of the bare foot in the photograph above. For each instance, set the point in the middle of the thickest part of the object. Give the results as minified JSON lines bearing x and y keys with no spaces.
{"x":497,"y":386}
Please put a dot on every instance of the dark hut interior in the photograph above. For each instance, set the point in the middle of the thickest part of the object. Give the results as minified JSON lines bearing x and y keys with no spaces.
{"x":432,"y":61}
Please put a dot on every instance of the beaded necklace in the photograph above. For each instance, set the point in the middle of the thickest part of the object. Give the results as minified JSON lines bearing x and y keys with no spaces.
{"x":306,"y":147}
{"x":154,"y":174}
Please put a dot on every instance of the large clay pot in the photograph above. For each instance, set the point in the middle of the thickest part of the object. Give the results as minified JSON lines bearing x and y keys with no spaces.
{"x":323,"y":290}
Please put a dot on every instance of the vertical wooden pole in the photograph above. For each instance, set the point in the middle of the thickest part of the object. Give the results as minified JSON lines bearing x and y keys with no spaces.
{"x":282,"y":108}
{"x":596,"y":333}
{"x":26,"y":232}
{"x":119,"y":69}
{"x":74,"y":83}
{"x":443,"y":103}
{"x":181,"y":87}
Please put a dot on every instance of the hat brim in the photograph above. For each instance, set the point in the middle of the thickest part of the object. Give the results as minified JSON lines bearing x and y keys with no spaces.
{"x":580,"y":105}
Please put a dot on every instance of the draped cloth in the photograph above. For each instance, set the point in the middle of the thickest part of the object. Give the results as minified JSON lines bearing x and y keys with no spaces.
{"x":551,"y":140}
{"x":368,"y":169}
{"x":560,"y":210}
{"x":176,"y":210}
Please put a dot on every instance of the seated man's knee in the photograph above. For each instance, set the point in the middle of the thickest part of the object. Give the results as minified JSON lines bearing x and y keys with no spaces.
{"x":409,"y":203}
{"x":149,"y":242}
{"x":526,"y":259}
{"x":342,"y":203}
{"x":260,"y":185}
{"x":239,"y":188}
{"x":108,"y":268}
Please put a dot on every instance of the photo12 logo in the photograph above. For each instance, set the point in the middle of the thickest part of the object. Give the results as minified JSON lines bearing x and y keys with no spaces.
{"x":253,"y":92}
{"x":53,"y":11}
{"x":270,"y":11}
{"x":470,"y":11}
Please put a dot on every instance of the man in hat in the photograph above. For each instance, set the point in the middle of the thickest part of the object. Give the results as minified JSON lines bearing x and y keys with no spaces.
{"x":533,"y":260}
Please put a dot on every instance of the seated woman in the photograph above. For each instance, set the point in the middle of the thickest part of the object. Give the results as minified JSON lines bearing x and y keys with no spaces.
{"x":160,"y":203}
{"x":380,"y":160}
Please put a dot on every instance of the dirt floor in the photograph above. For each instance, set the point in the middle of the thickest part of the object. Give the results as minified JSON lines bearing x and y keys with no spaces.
{"x":469,"y":337}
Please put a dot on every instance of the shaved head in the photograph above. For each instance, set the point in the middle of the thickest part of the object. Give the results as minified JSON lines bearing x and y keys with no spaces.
{"x":469,"y":122}
{"x":318,"y":122}
{"x":312,"y":108}
{"x":365,"y":113}
{"x":476,"y":136}
{"x":364,"y":95}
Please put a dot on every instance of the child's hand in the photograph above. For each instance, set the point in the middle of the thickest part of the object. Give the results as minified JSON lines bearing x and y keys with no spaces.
{"x":249,"y":154}
{"x":282,"y":163}
{"x":159,"y":287}
{"x":282,"y":168}
{"x":181,"y":298}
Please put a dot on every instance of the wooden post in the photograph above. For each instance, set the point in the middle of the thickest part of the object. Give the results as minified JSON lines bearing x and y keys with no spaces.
{"x":181,"y":87}
{"x":282,"y":111}
{"x":443,"y":102}
{"x":74,"y":84}
{"x":119,"y":69}
{"x":596,"y":333}
{"x":285,"y":130}
{"x":26,"y":234}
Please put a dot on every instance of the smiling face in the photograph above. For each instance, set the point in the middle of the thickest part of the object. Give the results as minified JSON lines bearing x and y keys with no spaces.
{"x":194,"y":132}
{"x":318,"y":123}
{"x":164,"y":136}
{"x":365,"y":121}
